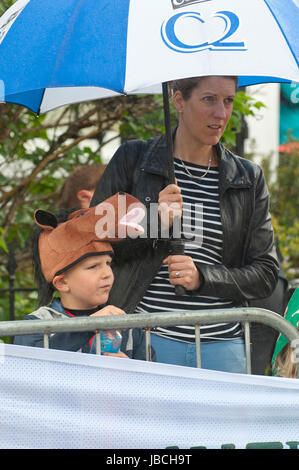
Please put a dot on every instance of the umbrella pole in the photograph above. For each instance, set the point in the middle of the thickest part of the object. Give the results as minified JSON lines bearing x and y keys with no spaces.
{"x":176,"y":245}
{"x":168,"y":133}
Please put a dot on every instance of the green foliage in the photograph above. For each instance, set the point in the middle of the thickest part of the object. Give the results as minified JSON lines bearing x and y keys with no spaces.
{"x":3,"y":244}
{"x":243,"y":106}
{"x":4,"y":5}
{"x":149,"y":124}
{"x":285,"y":190}
{"x":285,"y":210}
{"x":289,"y":245}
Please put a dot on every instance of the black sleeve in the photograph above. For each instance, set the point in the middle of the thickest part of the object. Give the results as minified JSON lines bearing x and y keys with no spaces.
{"x":259,"y":274}
{"x":118,"y":175}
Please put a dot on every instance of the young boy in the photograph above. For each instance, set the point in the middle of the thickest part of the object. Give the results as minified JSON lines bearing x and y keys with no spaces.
{"x":74,"y":257}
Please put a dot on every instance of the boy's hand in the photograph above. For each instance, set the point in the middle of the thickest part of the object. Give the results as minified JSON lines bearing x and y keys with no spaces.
{"x":108,"y":310}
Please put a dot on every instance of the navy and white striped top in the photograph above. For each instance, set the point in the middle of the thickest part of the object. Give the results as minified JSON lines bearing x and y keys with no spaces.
{"x":201,"y":218}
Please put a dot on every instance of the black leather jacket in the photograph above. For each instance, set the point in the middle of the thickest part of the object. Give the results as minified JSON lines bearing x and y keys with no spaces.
{"x":249,"y":269}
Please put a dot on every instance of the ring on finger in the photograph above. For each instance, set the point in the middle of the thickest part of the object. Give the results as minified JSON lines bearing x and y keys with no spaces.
{"x":177,"y":274}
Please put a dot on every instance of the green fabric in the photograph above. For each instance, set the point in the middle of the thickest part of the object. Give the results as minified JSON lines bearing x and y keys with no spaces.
{"x":292,"y":315}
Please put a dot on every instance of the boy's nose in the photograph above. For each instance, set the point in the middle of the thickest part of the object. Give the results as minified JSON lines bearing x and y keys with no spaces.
{"x":107,"y":272}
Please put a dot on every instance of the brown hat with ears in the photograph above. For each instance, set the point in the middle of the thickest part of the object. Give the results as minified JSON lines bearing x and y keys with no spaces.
{"x":87,"y":232}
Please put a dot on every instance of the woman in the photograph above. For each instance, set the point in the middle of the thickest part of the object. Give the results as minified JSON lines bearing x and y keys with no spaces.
{"x":225,"y":196}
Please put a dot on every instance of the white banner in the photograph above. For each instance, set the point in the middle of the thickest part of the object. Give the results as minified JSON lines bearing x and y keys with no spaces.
{"x":62,"y":400}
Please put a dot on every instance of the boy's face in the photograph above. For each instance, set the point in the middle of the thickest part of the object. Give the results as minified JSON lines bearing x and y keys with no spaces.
{"x":87,"y":284}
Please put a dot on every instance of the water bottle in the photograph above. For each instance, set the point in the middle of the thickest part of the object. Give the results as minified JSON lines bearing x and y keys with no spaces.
{"x":110,"y":342}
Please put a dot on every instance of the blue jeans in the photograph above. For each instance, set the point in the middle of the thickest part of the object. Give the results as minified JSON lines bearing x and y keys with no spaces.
{"x":225,"y":356}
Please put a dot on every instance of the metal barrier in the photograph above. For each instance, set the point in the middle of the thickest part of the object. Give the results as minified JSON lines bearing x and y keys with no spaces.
{"x":152,"y":320}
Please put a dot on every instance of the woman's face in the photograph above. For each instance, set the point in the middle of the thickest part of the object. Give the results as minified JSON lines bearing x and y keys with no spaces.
{"x":204,"y":116}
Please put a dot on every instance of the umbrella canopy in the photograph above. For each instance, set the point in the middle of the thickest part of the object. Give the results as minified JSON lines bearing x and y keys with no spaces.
{"x":66,"y":51}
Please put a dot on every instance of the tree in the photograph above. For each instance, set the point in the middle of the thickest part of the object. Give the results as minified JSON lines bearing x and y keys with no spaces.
{"x":285,"y":210}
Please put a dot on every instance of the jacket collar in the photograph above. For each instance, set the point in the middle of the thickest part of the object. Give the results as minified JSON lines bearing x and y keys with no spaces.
{"x":232,"y":170}
{"x":57,"y":305}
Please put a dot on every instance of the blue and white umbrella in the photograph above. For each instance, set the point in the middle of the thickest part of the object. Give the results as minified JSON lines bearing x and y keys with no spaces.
{"x":57,"y":52}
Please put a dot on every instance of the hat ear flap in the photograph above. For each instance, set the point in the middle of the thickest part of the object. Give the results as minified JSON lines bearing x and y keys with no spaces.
{"x":45,"y":219}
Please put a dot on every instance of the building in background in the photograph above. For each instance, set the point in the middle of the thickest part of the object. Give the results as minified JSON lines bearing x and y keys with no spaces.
{"x":269,"y":131}
{"x":289,"y":116}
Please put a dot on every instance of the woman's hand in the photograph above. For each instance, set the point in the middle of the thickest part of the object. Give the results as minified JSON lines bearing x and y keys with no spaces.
{"x":170,"y":205}
{"x":182,"y":271}
{"x":108,"y":310}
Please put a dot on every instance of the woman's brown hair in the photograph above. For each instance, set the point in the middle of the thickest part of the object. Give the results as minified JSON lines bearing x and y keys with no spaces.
{"x":187,"y":85}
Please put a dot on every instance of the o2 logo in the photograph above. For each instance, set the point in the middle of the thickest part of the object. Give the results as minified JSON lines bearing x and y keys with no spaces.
{"x":175,"y":31}
{"x":182,"y":3}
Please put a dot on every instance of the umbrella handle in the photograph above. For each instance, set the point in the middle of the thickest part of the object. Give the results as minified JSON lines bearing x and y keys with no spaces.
{"x":177,"y":248}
